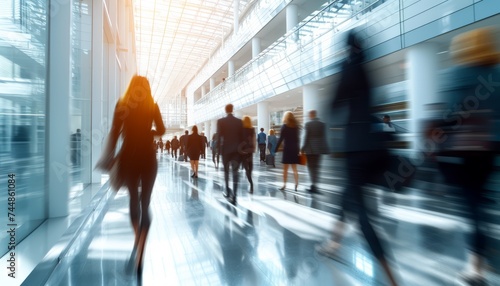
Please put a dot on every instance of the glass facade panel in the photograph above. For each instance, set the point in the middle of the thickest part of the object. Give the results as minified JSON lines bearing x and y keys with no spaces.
{"x":80,"y":108}
{"x":23,"y":78}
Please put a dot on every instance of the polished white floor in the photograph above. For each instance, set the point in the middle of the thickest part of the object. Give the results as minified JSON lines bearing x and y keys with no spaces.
{"x":198,"y":238}
{"x":33,"y":248}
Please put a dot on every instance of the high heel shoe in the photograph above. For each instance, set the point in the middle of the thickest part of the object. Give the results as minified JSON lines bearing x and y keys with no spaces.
{"x":296,"y":186}
{"x":139,"y":274}
{"x":282,"y":188}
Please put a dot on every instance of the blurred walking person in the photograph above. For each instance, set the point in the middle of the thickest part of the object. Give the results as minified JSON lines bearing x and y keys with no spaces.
{"x":289,"y":136}
{"x":314,"y":146}
{"x":205,"y":145}
{"x":248,"y":148}
{"x":261,"y":140}
{"x":214,"y":145}
{"x":135,"y":115}
{"x":76,"y":147}
{"x":175,"y":146}
{"x":194,"y":146}
{"x":472,"y":131}
{"x":167,"y":146}
{"x":182,"y":142}
{"x":272,"y":142}
{"x":161,"y":145}
{"x":363,"y":152}
{"x":230,"y":130}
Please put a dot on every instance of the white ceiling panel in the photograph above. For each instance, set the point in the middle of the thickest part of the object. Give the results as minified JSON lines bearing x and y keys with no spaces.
{"x":175,"y":37}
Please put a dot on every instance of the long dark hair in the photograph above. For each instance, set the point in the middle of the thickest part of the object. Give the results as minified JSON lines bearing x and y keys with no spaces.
{"x":195,"y":129}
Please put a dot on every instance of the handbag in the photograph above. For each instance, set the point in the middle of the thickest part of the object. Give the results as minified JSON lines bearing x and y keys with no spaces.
{"x":111,"y":164}
{"x":116,"y":174}
{"x":302,"y":159}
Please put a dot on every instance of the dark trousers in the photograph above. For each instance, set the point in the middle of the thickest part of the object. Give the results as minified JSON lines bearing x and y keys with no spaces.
{"x":359,"y":166}
{"x":262,"y":150}
{"x":471,"y":176}
{"x":174,"y":153}
{"x":313,"y":161}
{"x":215,"y":157}
{"x":233,"y":161}
{"x":247,"y":162}
{"x":184,"y":153}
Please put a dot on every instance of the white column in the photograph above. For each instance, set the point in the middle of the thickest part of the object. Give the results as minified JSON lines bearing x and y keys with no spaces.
{"x":203,"y":91}
{"x":212,"y":83}
{"x":97,"y":122}
{"x":238,"y":114}
{"x":313,"y":99}
{"x":58,"y":133}
{"x":292,"y":17}
{"x":236,"y":15}
{"x":230,"y":68}
{"x":255,"y":47}
{"x":213,"y":127}
{"x":422,"y":84}
{"x":263,"y":116}
{"x":207,"y":129}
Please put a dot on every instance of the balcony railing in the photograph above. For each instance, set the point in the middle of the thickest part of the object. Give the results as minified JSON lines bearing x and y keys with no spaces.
{"x":261,"y":13}
{"x":315,"y":48}
{"x":311,"y":51}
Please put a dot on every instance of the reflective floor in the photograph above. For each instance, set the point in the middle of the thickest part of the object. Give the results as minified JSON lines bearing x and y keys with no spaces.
{"x":197,"y":238}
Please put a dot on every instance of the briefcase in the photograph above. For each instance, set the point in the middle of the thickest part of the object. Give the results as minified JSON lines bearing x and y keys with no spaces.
{"x":269,"y":159}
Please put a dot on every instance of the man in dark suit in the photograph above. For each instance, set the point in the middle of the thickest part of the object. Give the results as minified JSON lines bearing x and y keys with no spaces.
{"x":205,"y":145}
{"x":175,"y":145}
{"x":314,"y":145}
{"x":183,"y":143}
{"x":230,"y":130}
{"x":76,"y":142}
{"x":261,"y":141}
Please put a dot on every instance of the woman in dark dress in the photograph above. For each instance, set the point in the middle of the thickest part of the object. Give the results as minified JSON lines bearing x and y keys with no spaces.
{"x":289,"y":135}
{"x":248,"y":149}
{"x":194,"y":148}
{"x":133,"y":118}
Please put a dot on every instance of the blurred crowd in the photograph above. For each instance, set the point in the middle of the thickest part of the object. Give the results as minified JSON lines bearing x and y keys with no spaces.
{"x":464,"y":132}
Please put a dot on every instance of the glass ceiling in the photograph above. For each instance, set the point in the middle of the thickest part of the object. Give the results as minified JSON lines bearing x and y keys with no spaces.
{"x":174,"y":38}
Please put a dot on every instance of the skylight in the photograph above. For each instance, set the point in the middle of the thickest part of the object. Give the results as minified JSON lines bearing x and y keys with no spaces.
{"x":174,"y":38}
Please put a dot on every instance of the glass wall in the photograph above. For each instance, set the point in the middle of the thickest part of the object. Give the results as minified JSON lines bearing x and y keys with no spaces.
{"x":81,"y":88}
{"x":23,"y":77}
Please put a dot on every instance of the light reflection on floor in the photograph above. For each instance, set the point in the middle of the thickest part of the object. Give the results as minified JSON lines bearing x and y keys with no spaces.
{"x":197,"y":238}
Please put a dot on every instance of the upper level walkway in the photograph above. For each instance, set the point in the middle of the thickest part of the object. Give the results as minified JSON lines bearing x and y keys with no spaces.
{"x":197,"y":238}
